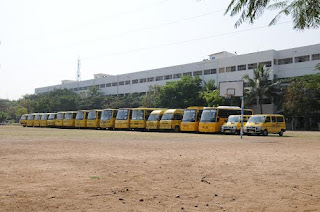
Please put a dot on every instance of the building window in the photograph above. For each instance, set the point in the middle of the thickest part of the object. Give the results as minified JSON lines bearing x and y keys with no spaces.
{"x":108,"y":85}
{"x":150,"y":79}
{"x":159,"y":78}
{"x":187,"y":74}
{"x":167,"y":77}
{"x":135,"y":81}
{"x":84,"y":88}
{"x":221,"y":70}
{"x":127,"y":82}
{"x":177,"y":76}
{"x":242,"y":67}
{"x":230,"y":69}
{"x":285,"y":61}
{"x":252,"y":66}
{"x":316,"y":57}
{"x":210,"y":71}
{"x":102,"y":85}
{"x":75,"y":89}
{"x":143,"y":80}
{"x":267,"y":64}
{"x":80,"y":89}
{"x":302,"y":59}
{"x":275,"y":61}
{"x":197,"y":73}
{"x":114,"y":83}
{"x":121,"y":83}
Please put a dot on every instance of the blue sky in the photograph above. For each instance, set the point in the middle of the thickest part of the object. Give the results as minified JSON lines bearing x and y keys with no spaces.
{"x":41,"y":40}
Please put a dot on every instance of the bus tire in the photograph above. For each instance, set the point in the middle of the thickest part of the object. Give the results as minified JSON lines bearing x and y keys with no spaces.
{"x":177,"y":128}
{"x":281,"y":133}
{"x":265,"y":132}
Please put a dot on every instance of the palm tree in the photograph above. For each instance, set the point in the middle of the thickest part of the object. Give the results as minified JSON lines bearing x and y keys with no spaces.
{"x":305,"y":13}
{"x":259,"y":86}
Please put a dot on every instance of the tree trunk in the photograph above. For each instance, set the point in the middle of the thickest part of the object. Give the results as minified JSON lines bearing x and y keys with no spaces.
{"x":261,"y":107}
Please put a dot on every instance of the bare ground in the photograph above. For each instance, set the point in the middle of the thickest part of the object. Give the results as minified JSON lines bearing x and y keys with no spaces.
{"x":94,"y":170}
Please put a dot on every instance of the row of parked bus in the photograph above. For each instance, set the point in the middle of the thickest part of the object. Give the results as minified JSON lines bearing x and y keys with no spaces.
{"x":224,"y":119}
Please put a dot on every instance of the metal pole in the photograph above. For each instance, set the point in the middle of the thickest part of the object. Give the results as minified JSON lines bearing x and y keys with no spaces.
{"x":242,"y":106}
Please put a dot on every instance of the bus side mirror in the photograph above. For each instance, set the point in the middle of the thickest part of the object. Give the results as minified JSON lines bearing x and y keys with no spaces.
{"x":218,"y":119}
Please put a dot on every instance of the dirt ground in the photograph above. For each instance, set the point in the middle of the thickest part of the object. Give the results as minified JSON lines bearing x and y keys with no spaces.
{"x":93,"y":170}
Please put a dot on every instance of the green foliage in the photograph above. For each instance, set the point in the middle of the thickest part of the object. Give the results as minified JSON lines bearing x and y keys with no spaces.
{"x":149,"y":99}
{"x":304,"y":13}
{"x":126,"y":101}
{"x":302,"y":97}
{"x":180,"y":94}
{"x":260,"y":86}
{"x":213,"y":99}
{"x":93,"y":99}
{"x":3,"y":116}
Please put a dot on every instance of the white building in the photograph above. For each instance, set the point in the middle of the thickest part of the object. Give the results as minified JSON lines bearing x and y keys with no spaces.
{"x":222,"y":66}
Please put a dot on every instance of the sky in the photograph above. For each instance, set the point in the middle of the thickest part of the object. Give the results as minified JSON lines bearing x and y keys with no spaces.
{"x":41,"y":40}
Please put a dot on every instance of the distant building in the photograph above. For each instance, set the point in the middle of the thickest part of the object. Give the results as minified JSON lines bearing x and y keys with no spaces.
{"x":222,"y":66}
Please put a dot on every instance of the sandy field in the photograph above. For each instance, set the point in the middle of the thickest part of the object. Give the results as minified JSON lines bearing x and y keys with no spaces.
{"x":93,"y":170}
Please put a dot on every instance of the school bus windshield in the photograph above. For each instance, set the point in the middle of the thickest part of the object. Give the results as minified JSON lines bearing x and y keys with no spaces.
{"x":80,"y":115}
{"x":68,"y":116}
{"x":138,"y":115}
{"x":153,"y":117}
{"x":106,"y":115}
{"x":234,"y":119}
{"x":208,"y":115}
{"x":256,"y":119}
{"x":122,"y":114}
{"x":51,"y":116}
{"x":59,"y":116}
{"x":92,"y":115}
{"x":189,"y":116}
{"x":167,"y":116}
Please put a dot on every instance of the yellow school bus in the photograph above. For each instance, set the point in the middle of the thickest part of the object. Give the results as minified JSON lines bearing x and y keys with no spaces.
{"x":153,"y":122}
{"x":59,"y":119}
{"x":23,"y":120}
{"x":51,"y":122}
{"x":265,"y":123}
{"x":30,"y":120}
{"x":93,"y":120}
{"x":69,"y":119}
{"x":44,"y":120}
{"x":36,"y":122}
{"x":171,"y":119}
{"x":108,"y":118}
{"x":139,"y":117}
{"x":123,"y":118}
{"x":191,"y":119}
{"x":213,"y":118}
{"x":233,"y":125}
{"x":81,"y":119}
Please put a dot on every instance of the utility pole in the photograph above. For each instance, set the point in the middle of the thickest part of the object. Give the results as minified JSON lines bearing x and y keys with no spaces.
{"x":78,"y":70}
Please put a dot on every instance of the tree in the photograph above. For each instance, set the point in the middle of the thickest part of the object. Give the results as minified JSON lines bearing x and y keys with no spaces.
{"x":302,"y":97}
{"x":180,"y":94}
{"x":213,"y":99}
{"x":149,"y":99}
{"x":259,"y":86}
{"x":3,"y":116}
{"x":305,"y":14}
{"x":93,"y":99}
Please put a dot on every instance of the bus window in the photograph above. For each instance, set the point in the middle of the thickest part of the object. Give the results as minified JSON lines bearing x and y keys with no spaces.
{"x":267,"y":119}
{"x":274,"y":119}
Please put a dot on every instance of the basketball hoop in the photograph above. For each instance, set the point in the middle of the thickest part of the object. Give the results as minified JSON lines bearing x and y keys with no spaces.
{"x":229,"y":96}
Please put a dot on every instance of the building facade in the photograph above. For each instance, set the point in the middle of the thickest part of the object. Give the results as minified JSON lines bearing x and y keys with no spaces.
{"x":221,"y":67}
